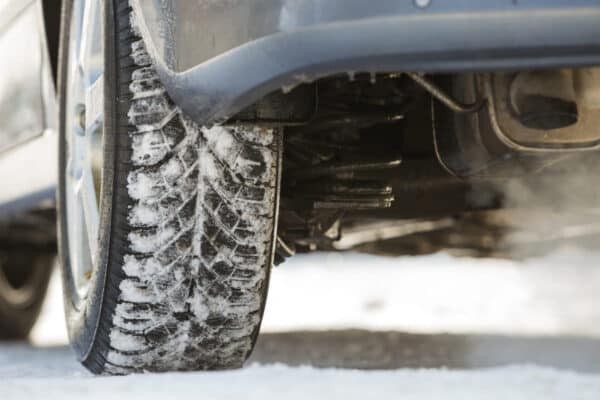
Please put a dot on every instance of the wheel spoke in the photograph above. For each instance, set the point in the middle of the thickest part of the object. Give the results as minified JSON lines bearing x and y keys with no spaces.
{"x":86,"y":194}
{"x":76,"y":35}
{"x":80,"y":241}
{"x":84,"y":38}
{"x":94,"y":104}
{"x":84,"y":137}
{"x":90,"y":51}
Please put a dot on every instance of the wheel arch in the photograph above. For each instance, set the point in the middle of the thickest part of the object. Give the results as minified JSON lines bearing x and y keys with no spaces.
{"x":284,"y":43}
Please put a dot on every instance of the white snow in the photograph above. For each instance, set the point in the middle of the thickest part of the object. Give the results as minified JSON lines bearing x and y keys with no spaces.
{"x":222,"y":142}
{"x":555,"y":297}
{"x":198,"y":305}
{"x":126,"y":342}
{"x":148,"y":148}
{"x":556,"y":294}
{"x":141,"y":186}
{"x":282,"y":382}
{"x":135,"y":293}
{"x":135,"y":267}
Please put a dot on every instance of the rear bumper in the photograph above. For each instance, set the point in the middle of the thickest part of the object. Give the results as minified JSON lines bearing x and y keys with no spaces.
{"x":219,"y":57}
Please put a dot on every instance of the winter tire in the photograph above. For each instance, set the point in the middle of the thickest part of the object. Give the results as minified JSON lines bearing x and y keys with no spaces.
{"x":24,"y":276}
{"x":167,"y":226}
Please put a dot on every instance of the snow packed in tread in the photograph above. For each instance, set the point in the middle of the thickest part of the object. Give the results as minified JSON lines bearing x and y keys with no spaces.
{"x":200,"y":241}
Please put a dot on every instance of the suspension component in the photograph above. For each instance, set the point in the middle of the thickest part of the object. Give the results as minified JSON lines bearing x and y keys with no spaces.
{"x":445,"y":98}
{"x":344,"y":169}
{"x":331,"y":166}
{"x":283,"y":250}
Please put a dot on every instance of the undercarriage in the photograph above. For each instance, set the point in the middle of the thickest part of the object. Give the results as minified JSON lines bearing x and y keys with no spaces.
{"x":411,"y":164}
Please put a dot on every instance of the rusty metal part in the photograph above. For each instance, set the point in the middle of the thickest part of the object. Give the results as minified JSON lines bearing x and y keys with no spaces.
{"x":445,"y":98}
{"x":544,"y":111}
{"x":586,"y":82}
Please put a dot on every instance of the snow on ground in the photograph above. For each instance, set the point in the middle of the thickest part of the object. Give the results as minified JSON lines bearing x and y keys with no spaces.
{"x":556,"y":294}
{"x":543,"y":311}
{"x":282,"y":382}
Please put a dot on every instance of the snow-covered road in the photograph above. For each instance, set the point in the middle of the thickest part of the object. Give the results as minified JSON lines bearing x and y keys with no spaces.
{"x":57,"y":376}
{"x":419,"y":328}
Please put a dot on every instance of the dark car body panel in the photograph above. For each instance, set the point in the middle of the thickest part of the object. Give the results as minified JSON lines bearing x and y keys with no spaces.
{"x":243,"y":50}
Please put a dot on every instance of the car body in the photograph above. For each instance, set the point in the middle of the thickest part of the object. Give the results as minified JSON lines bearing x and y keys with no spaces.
{"x":449,"y":104}
{"x":319,"y":38}
{"x":315,"y":38}
{"x":28,"y":104}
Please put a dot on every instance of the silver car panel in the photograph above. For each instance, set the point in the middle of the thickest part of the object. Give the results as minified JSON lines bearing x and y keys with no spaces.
{"x":218,"y":57}
{"x":28,"y":109}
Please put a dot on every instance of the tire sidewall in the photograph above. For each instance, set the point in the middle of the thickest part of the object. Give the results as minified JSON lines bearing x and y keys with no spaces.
{"x":91,"y":321}
{"x":83,"y":315}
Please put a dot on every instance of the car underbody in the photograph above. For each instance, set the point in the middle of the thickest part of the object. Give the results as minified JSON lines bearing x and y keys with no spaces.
{"x":428,"y":162}
{"x":458,"y":158}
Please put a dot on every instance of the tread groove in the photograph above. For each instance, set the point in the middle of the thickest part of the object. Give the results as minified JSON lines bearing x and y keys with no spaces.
{"x":186,"y":285}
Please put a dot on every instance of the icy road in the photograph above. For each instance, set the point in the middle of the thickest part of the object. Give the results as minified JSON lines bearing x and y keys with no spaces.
{"x":361,"y":327}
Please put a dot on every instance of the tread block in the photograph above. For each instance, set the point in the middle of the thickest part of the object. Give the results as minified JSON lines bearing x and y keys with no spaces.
{"x":200,"y":229}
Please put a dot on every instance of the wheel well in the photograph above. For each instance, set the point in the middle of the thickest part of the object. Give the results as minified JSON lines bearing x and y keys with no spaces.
{"x":52,"y":12}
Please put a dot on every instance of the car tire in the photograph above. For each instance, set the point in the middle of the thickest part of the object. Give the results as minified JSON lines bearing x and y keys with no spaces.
{"x":24,"y":277}
{"x":187,"y":224}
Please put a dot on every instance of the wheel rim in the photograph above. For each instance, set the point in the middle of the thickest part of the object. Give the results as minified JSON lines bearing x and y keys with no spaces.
{"x":84,"y":138}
